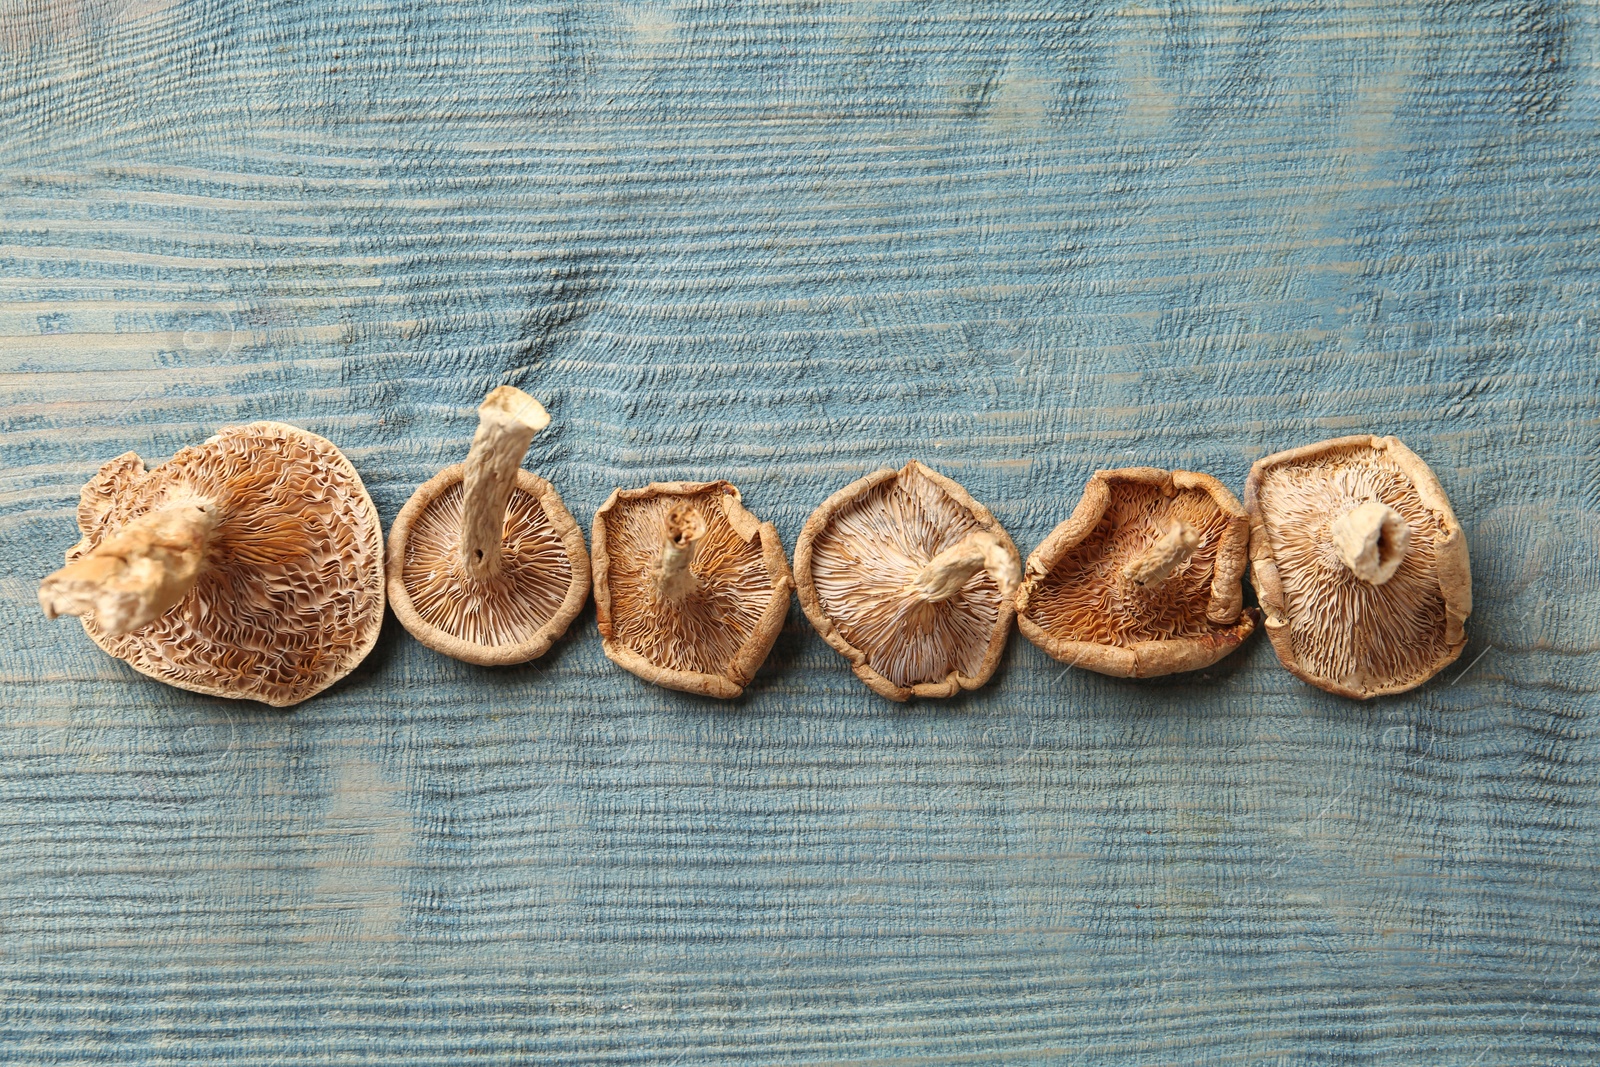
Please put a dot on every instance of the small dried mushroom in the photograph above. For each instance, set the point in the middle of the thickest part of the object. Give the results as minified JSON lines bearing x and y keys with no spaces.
{"x":911,"y":580}
{"x":1359,"y":564}
{"x":250,"y":566}
{"x":485,"y":562}
{"x":690,"y":589}
{"x":1144,"y":578}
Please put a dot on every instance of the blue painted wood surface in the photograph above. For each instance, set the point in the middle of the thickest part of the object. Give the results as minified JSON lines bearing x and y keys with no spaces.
{"x":788,"y":244}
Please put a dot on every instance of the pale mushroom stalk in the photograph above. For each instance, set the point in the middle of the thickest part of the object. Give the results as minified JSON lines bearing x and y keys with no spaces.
{"x":1157,"y":562}
{"x":139,"y":573}
{"x":508,"y":419}
{"x":944,"y":575}
{"x":1370,"y":539}
{"x":681,"y":534}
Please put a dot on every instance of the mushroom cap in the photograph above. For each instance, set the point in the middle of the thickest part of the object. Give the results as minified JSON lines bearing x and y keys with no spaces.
{"x":291,"y":596}
{"x":712,"y":640}
{"x":513,"y":616}
{"x":855,"y":560}
{"x":1329,"y":627}
{"x":1077,"y":603}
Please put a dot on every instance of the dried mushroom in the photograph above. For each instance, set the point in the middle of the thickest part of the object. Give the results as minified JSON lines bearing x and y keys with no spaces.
{"x":1359,"y":564}
{"x":485,"y":562}
{"x":250,"y":566}
{"x":911,"y":580}
{"x":1144,"y":578}
{"x":690,"y":589}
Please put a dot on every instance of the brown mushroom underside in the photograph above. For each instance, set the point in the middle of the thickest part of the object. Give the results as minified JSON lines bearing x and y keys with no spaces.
{"x":706,"y":624}
{"x":1330,"y":626}
{"x":1094,"y":598}
{"x":290,"y":597}
{"x":516,"y":613}
{"x":857,"y":569}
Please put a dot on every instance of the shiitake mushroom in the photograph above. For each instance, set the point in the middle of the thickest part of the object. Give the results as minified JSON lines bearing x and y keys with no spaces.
{"x":1144,"y":578}
{"x":1359,"y":564}
{"x":911,"y":580}
{"x":690,"y":588}
{"x":485,"y":562}
{"x":249,"y":566}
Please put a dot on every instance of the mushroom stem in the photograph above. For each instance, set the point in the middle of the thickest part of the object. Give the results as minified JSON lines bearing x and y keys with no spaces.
{"x":944,"y":575}
{"x":1156,"y":563}
{"x":1371,"y":539}
{"x":507,"y":420}
{"x":137,"y":574}
{"x":680,"y":537}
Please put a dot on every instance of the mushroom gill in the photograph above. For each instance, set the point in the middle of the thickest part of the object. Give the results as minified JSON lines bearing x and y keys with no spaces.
{"x":288,"y":596}
{"x":1360,"y":565}
{"x":911,"y":580}
{"x":1144,"y":578}
{"x":691,"y":590}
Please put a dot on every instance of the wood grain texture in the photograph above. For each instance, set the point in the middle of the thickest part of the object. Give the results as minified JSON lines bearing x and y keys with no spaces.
{"x":787,"y":244}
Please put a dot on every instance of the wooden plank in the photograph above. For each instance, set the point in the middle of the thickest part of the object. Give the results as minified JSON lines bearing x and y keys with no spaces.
{"x":788,"y":245}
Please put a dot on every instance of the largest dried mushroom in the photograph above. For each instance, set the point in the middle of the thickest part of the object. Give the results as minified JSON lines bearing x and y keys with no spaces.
{"x":690,"y":589}
{"x":1144,"y":578}
{"x":911,"y":580}
{"x":485,"y":562}
{"x":1359,"y":564}
{"x":250,"y":566}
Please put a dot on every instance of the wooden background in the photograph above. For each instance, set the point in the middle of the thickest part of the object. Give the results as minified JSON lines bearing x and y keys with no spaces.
{"x":788,"y":244}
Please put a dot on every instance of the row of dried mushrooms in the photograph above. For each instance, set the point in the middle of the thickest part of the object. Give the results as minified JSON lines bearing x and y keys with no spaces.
{"x":253,"y":566}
